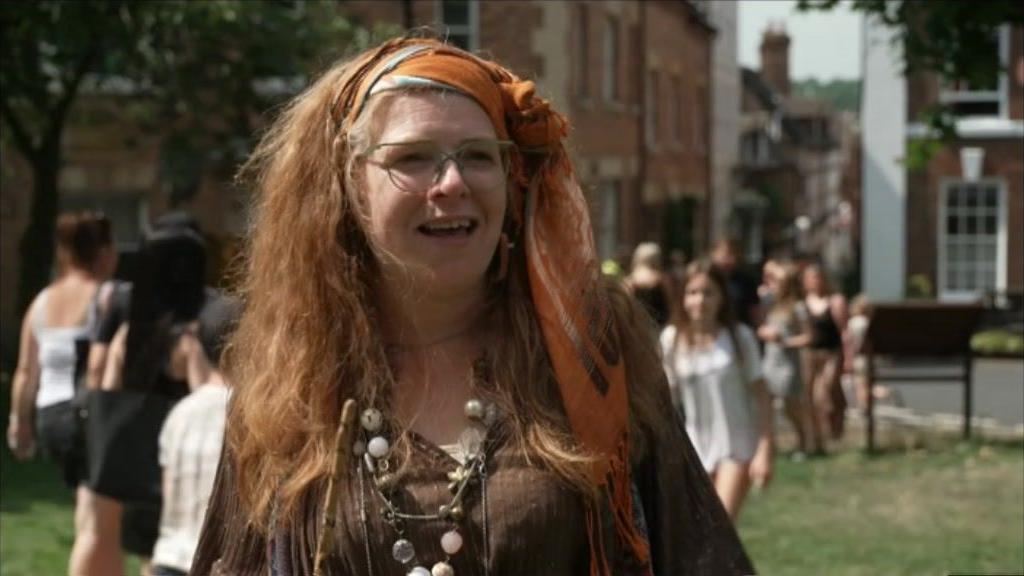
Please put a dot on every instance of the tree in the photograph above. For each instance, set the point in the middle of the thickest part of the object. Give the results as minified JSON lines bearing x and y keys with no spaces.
{"x":198,"y":66}
{"x":951,"y":38}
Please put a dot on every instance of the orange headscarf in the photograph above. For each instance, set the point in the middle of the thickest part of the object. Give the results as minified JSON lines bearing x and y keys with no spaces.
{"x":572,"y":308}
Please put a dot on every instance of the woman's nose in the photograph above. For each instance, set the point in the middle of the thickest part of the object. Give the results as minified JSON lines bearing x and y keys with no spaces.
{"x":449,"y":180}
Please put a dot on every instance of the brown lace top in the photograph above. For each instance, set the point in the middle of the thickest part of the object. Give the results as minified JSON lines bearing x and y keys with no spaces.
{"x":534,"y":524}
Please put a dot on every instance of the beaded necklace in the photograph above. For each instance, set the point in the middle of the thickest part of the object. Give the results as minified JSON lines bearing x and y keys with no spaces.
{"x":373,"y":453}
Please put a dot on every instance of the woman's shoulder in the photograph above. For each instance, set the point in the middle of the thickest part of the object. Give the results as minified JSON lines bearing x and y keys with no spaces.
{"x":668,"y":335}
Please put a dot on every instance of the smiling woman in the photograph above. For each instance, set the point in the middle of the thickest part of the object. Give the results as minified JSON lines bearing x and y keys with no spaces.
{"x":432,"y":378}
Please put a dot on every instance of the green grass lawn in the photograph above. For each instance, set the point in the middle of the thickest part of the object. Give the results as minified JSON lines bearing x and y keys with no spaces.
{"x":948,"y":508}
{"x":36,"y":520}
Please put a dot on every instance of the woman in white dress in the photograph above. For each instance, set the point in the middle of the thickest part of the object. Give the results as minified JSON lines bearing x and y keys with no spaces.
{"x":714,"y":370}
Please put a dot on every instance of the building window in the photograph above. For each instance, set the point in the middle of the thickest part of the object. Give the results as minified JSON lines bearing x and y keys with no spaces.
{"x":459,"y":22}
{"x":610,"y":62}
{"x":972,"y":239}
{"x":608,"y":219}
{"x":582,"y":52}
{"x":699,"y":118}
{"x":127,"y":214}
{"x":651,"y":110}
{"x":967,"y":99}
{"x":755,"y":148}
{"x":675,"y":109}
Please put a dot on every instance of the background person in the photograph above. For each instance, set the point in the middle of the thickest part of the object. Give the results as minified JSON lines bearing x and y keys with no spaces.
{"x":191,"y":438}
{"x":786,"y":332}
{"x":54,"y":339}
{"x":714,"y":367}
{"x":407,"y":256}
{"x":742,"y":289}
{"x":826,"y":311}
{"x":649,"y":284}
{"x":134,"y":343}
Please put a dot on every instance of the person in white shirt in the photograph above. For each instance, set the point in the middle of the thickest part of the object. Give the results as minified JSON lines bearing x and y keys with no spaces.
{"x":714,"y":371}
{"x":191,"y":438}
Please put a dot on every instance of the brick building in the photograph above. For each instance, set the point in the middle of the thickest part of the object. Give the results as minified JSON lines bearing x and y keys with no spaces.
{"x":796,"y":193}
{"x":634,"y":78}
{"x":952,"y":229}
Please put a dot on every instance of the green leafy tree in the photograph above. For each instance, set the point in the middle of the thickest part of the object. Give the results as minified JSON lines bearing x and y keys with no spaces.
{"x":203,"y":71}
{"x":842,"y":94}
{"x":953,"y":38}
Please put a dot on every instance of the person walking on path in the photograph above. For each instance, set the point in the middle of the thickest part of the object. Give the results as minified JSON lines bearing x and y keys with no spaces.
{"x":742,"y":289}
{"x":649,"y":284}
{"x":714,"y":368}
{"x":192,"y":435}
{"x":826,"y":311}
{"x":786,"y":332}
{"x":54,"y":341}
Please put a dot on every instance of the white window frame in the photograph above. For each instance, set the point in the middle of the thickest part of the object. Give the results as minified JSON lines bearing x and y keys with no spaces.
{"x":611,"y":55}
{"x":946,"y":185}
{"x":472,"y":31}
{"x":1001,"y":95}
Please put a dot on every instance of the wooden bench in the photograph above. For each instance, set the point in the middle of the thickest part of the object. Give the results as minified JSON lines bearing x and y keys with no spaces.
{"x":920,"y":330}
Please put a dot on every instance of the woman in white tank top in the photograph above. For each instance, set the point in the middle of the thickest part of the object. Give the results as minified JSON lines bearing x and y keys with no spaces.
{"x":55,"y":334}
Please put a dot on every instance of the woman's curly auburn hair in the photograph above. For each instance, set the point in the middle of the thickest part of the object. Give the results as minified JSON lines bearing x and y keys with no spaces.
{"x":308,"y":337}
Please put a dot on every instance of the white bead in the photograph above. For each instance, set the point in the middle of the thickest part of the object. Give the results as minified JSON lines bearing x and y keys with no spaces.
{"x":403,"y":551}
{"x":442,"y":569}
{"x":451,"y":542}
{"x":474,"y":409}
{"x":371,"y":419}
{"x":419,"y":571}
{"x":378,"y":447}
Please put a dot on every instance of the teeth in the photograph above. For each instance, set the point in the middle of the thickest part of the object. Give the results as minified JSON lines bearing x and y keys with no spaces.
{"x":449,"y":225}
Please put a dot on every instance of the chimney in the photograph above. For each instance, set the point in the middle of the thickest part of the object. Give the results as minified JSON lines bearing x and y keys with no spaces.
{"x":775,"y":59}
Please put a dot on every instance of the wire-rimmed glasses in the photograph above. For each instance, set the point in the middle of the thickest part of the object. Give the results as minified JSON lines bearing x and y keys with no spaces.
{"x":416,"y":166}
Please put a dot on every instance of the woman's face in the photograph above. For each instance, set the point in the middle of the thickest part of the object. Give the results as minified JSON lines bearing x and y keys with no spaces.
{"x":701,"y":299}
{"x":443,"y":234}
{"x":770,"y":276}
{"x":812,"y":281}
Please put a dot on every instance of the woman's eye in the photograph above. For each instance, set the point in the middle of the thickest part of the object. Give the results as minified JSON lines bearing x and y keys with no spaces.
{"x":411,"y":160}
{"x":478,"y":157}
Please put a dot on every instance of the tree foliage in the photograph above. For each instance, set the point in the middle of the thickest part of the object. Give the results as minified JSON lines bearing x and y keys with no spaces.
{"x":204,"y":69}
{"x":951,"y":38}
{"x":842,"y":94}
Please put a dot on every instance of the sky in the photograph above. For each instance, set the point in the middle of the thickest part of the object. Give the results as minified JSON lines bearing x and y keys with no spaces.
{"x":823,"y":45}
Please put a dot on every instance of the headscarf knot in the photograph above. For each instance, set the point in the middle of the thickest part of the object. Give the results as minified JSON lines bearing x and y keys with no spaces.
{"x":532,"y":123}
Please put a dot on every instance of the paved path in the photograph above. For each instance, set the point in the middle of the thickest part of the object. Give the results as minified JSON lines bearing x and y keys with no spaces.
{"x":998,"y":391}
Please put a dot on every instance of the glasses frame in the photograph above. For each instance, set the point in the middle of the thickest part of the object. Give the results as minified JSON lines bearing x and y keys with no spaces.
{"x":506,"y":147}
